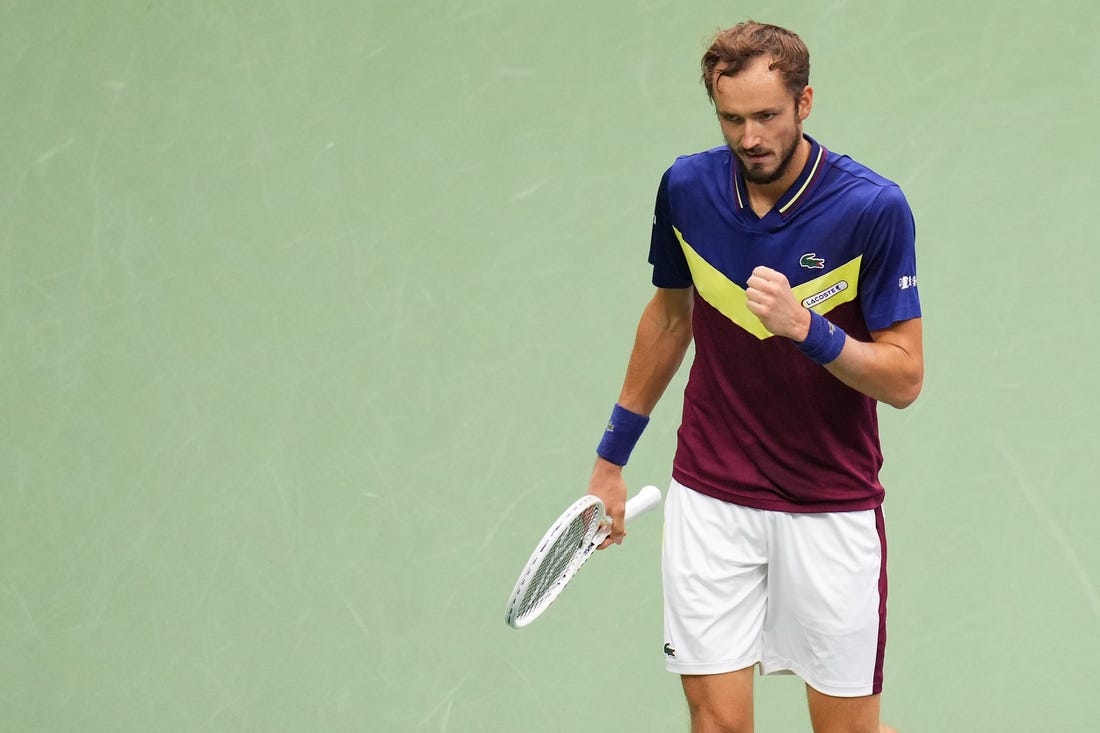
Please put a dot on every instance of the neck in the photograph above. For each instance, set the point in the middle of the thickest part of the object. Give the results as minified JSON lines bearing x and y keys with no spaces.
{"x":764,"y":195}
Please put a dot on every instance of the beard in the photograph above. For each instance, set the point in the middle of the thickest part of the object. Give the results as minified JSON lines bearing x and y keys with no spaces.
{"x":762,"y":178}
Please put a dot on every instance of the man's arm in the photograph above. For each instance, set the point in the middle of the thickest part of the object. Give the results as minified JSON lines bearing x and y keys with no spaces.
{"x":662,"y":339}
{"x":890,"y":368}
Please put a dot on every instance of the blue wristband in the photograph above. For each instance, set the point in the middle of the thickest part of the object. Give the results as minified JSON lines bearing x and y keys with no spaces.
{"x":623,"y":430}
{"x":825,"y":340}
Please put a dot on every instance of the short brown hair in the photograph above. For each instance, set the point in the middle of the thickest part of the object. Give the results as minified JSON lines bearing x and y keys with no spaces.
{"x":735,"y":47}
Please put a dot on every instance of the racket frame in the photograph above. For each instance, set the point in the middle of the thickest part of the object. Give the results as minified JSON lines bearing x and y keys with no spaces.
{"x":643,"y":501}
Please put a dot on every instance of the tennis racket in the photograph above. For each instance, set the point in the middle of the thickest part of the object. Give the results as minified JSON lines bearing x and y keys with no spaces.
{"x":564,"y":548}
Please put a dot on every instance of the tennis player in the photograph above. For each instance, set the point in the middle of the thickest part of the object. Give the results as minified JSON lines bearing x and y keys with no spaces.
{"x":793,"y":269}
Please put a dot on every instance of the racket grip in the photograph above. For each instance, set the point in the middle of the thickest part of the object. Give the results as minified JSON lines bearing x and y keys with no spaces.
{"x":645,"y":500}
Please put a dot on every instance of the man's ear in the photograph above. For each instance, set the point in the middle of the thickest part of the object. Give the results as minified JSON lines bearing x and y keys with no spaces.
{"x":805,"y":102}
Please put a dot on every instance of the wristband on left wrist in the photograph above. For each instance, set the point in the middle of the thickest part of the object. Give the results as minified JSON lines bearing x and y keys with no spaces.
{"x":824,"y":341}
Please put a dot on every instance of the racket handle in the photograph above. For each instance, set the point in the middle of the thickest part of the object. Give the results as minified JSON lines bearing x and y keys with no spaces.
{"x":645,"y":500}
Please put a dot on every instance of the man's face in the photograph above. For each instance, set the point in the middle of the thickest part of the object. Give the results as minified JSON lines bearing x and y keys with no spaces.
{"x":761,"y":121}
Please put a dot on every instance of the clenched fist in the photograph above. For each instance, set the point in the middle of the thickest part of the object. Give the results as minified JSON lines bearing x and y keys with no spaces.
{"x":771,"y":300}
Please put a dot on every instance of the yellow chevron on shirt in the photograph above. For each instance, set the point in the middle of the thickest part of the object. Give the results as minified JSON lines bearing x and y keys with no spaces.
{"x":825,"y":292}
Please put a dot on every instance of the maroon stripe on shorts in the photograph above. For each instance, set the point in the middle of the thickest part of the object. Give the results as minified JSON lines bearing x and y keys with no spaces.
{"x":880,"y":526}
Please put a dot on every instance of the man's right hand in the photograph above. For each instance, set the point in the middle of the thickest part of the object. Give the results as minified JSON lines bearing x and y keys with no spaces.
{"x":607,"y":483}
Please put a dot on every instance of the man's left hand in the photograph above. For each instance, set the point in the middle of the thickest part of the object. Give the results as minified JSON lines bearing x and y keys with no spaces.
{"x":771,"y":300}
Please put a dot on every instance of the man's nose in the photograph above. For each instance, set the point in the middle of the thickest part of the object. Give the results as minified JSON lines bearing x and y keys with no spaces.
{"x":750,"y":136}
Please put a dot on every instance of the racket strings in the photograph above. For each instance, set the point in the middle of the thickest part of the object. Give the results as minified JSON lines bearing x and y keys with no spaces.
{"x":564,"y":550}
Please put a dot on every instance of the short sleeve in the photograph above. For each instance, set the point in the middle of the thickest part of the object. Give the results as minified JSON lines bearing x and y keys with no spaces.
{"x":670,"y":268}
{"x":888,"y":276}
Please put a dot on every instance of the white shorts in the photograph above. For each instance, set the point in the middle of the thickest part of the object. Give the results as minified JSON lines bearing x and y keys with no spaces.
{"x":794,"y":593}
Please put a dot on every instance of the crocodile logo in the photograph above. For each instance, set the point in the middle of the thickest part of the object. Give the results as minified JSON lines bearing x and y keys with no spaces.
{"x":811,"y":261}
{"x":669,"y":651}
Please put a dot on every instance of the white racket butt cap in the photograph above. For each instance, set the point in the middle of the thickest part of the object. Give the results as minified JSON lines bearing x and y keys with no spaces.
{"x":646,"y":499}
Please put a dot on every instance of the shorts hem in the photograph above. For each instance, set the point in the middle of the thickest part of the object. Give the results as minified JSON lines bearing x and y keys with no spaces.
{"x":705,"y":668}
{"x":832,"y":689}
